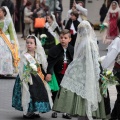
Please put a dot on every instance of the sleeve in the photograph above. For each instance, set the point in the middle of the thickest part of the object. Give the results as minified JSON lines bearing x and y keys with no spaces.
{"x":110,"y":59}
{"x":27,"y":13}
{"x":51,"y":63}
{"x":10,"y":30}
{"x":57,"y":30}
{"x":81,"y":9}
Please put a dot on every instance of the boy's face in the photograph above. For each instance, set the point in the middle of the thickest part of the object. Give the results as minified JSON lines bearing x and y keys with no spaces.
{"x":64,"y":40}
{"x":73,"y":17}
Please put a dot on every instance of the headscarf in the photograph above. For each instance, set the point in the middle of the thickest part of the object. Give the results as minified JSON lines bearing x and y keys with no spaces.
{"x":82,"y":75}
{"x":41,"y":59}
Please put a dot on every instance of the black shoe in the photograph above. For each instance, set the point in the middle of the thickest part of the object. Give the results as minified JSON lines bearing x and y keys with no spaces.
{"x":67,"y":116}
{"x":36,"y":115}
{"x":54,"y":115}
{"x":28,"y":116}
{"x":113,"y":119}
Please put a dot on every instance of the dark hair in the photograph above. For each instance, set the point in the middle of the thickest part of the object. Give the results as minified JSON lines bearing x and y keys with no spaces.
{"x":82,"y":3}
{"x":118,"y":23}
{"x":65,"y":31}
{"x":4,"y":10}
{"x":49,"y":16}
{"x":28,"y":3}
{"x":32,"y":37}
{"x":75,"y":13}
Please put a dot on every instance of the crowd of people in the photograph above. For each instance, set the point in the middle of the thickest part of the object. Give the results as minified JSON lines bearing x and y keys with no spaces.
{"x":60,"y":68}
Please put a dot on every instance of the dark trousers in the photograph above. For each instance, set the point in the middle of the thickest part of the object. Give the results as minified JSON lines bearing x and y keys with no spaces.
{"x":38,"y":31}
{"x":23,"y":26}
{"x":116,"y":110}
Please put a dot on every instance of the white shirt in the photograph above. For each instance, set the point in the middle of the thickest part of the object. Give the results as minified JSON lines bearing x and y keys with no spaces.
{"x":82,"y":11}
{"x":113,"y":51}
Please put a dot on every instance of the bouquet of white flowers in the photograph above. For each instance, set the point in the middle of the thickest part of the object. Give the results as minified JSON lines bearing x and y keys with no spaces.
{"x":108,"y":79}
{"x":28,"y":70}
{"x":43,"y":39}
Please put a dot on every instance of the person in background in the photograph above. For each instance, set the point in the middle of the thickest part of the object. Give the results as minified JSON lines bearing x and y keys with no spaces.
{"x":59,"y":57}
{"x":28,"y":19}
{"x":9,"y":4}
{"x":22,"y":16}
{"x":81,"y":10}
{"x":52,"y":26}
{"x":111,"y":31}
{"x":58,"y":12}
{"x":44,"y":6}
{"x":72,"y":25}
{"x":103,"y":11}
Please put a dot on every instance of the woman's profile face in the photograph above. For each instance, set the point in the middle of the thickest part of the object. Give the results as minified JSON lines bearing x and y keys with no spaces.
{"x":114,"y":5}
{"x":1,"y":13}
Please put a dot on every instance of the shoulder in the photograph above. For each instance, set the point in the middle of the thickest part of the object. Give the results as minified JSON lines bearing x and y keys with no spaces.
{"x":116,"y":40}
{"x":8,"y":21}
{"x":71,"y":49}
{"x":54,"y":51}
{"x":115,"y":44}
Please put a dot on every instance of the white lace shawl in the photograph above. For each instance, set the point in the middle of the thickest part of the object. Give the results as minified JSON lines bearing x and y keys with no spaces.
{"x":82,"y":75}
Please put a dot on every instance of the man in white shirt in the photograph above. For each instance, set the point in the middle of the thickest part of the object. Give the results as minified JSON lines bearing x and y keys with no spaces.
{"x":113,"y":59}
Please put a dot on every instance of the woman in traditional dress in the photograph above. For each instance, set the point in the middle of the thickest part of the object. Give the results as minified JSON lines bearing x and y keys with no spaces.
{"x":80,"y":92}
{"x":111,"y":22}
{"x":52,"y":26}
{"x":31,"y":93}
{"x":9,"y":57}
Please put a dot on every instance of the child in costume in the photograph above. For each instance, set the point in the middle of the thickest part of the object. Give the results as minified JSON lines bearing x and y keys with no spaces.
{"x":80,"y":92}
{"x":72,"y":25}
{"x":31,"y":93}
{"x":59,"y":58}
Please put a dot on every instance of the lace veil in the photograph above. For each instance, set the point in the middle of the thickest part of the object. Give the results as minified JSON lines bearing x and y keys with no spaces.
{"x":82,"y":75}
{"x":8,"y":16}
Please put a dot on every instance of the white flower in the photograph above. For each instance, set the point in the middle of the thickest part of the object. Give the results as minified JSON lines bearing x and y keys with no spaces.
{"x":102,"y":58}
{"x":105,"y":24}
{"x":108,"y":72}
{"x":33,"y":66}
{"x":43,"y":35}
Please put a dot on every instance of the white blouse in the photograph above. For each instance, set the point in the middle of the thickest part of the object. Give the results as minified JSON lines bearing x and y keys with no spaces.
{"x":113,"y":51}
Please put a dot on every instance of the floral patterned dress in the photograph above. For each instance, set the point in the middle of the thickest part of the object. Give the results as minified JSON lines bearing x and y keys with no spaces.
{"x":6,"y":61}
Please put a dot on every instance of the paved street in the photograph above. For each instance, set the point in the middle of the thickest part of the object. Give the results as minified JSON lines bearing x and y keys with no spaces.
{"x":6,"y":87}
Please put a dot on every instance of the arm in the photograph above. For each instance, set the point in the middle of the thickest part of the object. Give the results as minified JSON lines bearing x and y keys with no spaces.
{"x":81,"y":9}
{"x":57,"y":30}
{"x":27,"y":13}
{"x":11,"y":33}
{"x":49,"y":68}
{"x":110,"y":58}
